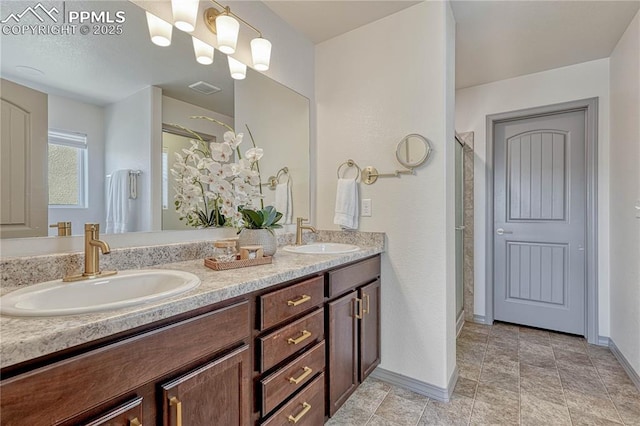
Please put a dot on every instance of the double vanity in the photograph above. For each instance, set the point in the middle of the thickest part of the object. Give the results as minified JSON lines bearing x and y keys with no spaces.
{"x":283,"y":343}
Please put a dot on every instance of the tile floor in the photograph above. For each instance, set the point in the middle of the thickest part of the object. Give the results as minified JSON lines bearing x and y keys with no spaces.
{"x":510,"y":375}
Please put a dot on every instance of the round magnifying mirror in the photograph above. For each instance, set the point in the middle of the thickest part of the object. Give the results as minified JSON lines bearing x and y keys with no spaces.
{"x":413,"y":151}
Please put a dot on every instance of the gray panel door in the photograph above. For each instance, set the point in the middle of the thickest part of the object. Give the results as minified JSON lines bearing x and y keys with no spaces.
{"x":539,"y":222}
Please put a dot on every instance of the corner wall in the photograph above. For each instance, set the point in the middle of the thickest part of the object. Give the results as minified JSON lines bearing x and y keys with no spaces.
{"x":130,"y":135}
{"x":625,"y":194}
{"x":473,"y":104}
{"x":371,"y":91}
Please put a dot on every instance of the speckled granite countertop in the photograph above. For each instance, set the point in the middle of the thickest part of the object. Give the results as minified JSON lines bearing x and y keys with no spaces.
{"x":23,"y":339}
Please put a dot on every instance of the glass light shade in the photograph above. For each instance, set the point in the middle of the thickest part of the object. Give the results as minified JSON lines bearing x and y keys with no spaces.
{"x":204,"y":52}
{"x":227,"y":28}
{"x":261,"y":53}
{"x":159,"y":30}
{"x":184,"y":14}
{"x":238,"y":69}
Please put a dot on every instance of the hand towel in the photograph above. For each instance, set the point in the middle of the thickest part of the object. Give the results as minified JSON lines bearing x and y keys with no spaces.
{"x":118,"y":202}
{"x":347,"y":204}
{"x":284,"y":201}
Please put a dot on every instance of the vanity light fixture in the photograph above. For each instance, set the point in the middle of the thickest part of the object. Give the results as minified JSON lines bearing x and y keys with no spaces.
{"x":203,"y":51}
{"x":224,"y":23}
{"x":238,"y":69}
{"x":184,"y":14}
{"x":159,"y":30}
{"x":227,"y":32}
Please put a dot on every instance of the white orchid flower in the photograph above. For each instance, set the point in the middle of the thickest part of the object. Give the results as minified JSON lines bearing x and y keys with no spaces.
{"x":254,"y":154}
{"x":221,"y":151}
{"x":232,"y":139}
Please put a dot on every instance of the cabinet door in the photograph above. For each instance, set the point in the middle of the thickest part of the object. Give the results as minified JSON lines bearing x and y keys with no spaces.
{"x":370,"y":329}
{"x":343,"y":350}
{"x":218,"y":393}
{"x":129,"y":414}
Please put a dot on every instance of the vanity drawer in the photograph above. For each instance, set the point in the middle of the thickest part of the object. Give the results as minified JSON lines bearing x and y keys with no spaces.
{"x":277,"y":346}
{"x":306,"y":408}
{"x":278,"y":386}
{"x":278,"y":306}
{"x":344,"y":279}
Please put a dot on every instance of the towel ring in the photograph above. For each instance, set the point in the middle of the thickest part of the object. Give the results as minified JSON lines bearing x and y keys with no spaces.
{"x":275,"y":180}
{"x":349,"y":163}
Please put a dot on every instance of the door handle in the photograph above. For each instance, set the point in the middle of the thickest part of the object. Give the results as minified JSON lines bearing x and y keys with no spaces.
{"x":501,"y":231}
{"x":460,"y":228}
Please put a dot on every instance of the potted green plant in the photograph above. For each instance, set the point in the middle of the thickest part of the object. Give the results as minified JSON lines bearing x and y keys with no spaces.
{"x":257,"y":228}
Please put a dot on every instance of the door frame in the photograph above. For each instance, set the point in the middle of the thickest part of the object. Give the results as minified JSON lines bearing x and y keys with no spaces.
{"x":590,"y":107}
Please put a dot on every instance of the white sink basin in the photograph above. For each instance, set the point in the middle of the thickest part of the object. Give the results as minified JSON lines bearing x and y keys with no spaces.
{"x":322,"y":248}
{"x":127,"y":288}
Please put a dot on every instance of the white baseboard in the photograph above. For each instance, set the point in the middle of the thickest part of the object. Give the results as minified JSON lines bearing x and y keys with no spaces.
{"x":633,"y":374}
{"x":480,"y":319}
{"x":603,"y":341}
{"x":417,"y":386}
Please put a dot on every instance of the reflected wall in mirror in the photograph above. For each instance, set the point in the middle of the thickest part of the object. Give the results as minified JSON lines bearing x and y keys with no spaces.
{"x":117,"y":92}
{"x":413,"y":150}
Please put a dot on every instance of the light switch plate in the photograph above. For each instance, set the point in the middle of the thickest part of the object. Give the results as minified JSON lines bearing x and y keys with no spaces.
{"x":366,"y":207}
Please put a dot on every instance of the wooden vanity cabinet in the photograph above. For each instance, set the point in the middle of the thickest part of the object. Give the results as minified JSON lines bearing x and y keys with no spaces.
{"x":353,"y":329}
{"x":89,"y":388}
{"x":218,"y":392}
{"x":260,"y":359}
{"x":128,"y":414}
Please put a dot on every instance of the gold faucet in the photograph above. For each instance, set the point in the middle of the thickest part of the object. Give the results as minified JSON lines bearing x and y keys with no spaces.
{"x":300,"y":227}
{"x":64,"y":228}
{"x":92,"y":248}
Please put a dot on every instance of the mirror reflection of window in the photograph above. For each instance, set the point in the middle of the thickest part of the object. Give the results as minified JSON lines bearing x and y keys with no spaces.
{"x":67,"y":156}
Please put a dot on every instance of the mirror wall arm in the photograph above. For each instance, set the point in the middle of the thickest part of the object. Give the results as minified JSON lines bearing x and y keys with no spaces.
{"x":396,"y":173}
{"x":370,"y":174}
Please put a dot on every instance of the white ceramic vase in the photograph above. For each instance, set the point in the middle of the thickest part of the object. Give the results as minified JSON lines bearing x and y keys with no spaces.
{"x":259,"y":237}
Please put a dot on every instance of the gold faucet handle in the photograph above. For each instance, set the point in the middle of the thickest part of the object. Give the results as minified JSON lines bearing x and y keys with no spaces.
{"x":64,"y":228}
{"x":301,"y":219}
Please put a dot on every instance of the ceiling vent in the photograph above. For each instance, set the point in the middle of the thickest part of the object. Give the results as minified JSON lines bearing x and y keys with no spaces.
{"x":204,"y":88}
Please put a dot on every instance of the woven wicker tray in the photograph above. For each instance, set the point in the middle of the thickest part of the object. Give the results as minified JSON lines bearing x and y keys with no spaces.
{"x":238,"y":263}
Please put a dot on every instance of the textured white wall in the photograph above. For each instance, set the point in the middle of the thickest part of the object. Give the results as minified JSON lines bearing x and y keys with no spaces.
{"x":371,"y":91}
{"x":473,"y":104}
{"x":129,"y":141}
{"x":625,"y":193}
{"x":75,"y":116}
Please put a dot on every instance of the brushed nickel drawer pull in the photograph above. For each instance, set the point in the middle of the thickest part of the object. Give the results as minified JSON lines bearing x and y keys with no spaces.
{"x":305,"y":335}
{"x":135,"y":422}
{"x":305,"y":409}
{"x":304,"y":375}
{"x":175,"y":402}
{"x":304,"y":298}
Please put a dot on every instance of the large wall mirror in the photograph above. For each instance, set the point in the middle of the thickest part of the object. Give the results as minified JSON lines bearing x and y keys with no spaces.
{"x":109,"y":103}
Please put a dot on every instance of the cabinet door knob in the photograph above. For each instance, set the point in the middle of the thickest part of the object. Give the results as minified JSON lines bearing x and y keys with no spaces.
{"x":304,"y":336}
{"x":305,"y":409}
{"x":304,"y":298}
{"x":304,"y":375}
{"x":175,"y":402}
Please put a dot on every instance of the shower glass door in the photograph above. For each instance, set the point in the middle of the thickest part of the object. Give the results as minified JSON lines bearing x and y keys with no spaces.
{"x":459,"y":183}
